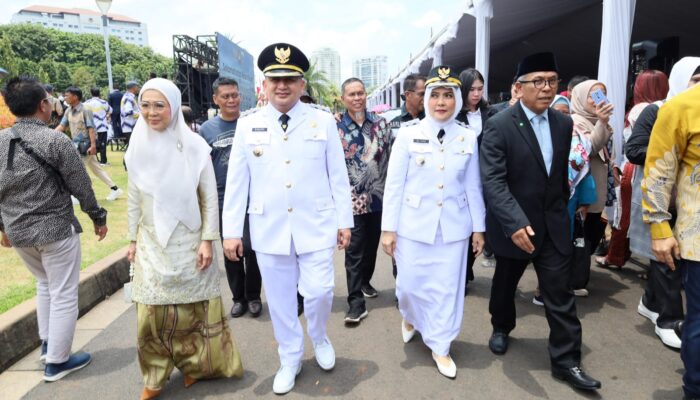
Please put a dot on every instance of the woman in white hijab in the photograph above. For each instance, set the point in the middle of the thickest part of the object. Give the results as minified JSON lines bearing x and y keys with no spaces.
{"x":432,"y":204}
{"x":173,"y":226}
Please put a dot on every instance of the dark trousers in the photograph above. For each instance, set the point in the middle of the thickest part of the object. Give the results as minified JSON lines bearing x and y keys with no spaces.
{"x":663,"y":294}
{"x":102,"y":147}
{"x":553,"y":271}
{"x":595,"y":229}
{"x":690,"y":347}
{"x":361,"y":256}
{"x":243,"y":276}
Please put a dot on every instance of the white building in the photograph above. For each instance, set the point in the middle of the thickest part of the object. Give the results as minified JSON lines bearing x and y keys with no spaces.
{"x":373,"y":71}
{"x":328,"y":61}
{"x":80,"y":20}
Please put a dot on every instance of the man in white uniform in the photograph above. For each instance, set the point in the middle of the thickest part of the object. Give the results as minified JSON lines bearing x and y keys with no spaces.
{"x":288,"y":159}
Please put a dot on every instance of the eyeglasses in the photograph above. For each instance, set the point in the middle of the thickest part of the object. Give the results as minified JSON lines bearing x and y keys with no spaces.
{"x":539,"y":83}
{"x":229,"y":96}
{"x":156,"y":106}
{"x":47,"y":99}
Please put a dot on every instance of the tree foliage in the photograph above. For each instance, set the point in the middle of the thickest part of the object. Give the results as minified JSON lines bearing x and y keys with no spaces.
{"x":318,"y":85}
{"x":63,"y":58}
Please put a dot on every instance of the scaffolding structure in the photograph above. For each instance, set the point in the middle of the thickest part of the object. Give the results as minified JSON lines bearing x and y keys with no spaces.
{"x":197,"y":67}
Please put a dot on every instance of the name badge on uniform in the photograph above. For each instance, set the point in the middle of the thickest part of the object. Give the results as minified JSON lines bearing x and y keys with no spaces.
{"x":421,"y":141}
{"x":259,"y":129}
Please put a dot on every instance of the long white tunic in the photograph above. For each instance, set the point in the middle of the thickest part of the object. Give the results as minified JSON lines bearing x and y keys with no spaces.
{"x":433,"y":201}
{"x":169,"y":275}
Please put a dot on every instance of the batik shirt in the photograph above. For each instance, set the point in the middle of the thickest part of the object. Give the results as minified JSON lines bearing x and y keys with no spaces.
{"x":367,"y":158}
{"x":35,"y":204}
{"x":129,"y":112}
{"x":100,"y":110}
{"x":673,"y":157}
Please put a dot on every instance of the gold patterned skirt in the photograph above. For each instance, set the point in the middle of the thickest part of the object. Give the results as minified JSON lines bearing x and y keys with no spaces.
{"x":193,"y":337}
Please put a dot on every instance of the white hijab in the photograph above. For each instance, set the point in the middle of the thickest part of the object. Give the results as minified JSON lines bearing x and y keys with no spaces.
{"x":680,"y":75}
{"x":435,"y":124}
{"x":167,"y":165}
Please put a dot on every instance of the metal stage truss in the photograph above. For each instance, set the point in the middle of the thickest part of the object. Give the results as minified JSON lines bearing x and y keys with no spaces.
{"x":197,"y":67}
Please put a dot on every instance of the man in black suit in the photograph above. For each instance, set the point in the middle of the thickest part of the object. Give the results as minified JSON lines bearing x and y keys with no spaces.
{"x":524,"y":161}
{"x":115,"y":100}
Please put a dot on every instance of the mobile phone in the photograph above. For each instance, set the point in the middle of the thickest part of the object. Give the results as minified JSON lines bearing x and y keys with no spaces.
{"x":599,"y":97}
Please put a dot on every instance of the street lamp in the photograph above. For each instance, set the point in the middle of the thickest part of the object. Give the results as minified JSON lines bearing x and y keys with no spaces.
{"x":104,"y":5}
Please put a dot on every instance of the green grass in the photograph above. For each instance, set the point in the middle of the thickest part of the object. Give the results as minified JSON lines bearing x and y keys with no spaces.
{"x":18,"y":285}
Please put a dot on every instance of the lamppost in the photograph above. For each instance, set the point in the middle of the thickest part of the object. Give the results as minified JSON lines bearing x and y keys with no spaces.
{"x":104,"y":5}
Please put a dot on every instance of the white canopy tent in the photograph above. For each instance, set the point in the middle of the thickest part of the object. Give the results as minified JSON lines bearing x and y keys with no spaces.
{"x":589,"y":37}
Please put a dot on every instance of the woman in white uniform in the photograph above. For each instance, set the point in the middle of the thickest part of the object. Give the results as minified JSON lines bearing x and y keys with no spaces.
{"x":432,"y":204}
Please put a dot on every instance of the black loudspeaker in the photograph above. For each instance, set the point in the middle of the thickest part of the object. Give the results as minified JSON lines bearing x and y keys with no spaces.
{"x":654,"y":54}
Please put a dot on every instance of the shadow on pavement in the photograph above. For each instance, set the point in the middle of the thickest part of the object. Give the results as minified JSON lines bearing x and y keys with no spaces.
{"x":314,"y":382}
{"x":175,"y":388}
{"x":466,"y":355}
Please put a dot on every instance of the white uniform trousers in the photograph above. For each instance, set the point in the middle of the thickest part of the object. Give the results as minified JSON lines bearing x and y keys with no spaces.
{"x":56,"y":267}
{"x":313,"y":273}
{"x":430,"y":288}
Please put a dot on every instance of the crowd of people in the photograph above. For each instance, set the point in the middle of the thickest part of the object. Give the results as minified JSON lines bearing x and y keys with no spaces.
{"x":269,"y":195}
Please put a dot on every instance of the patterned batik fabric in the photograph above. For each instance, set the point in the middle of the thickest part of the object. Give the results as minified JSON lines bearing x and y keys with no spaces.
{"x":366,"y":150}
{"x":194,"y":337}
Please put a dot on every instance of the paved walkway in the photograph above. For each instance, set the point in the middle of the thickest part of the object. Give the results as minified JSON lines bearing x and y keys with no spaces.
{"x":620,"y":349}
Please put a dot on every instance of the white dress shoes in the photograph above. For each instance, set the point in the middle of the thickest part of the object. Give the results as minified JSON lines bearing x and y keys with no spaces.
{"x":405,"y":333}
{"x":449,"y":370}
{"x":645,"y":312}
{"x":284,"y":379}
{"x":325,"y":355}
{"x":668,"y":336}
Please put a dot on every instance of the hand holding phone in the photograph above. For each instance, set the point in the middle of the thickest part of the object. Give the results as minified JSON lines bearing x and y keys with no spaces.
{"x":599,"y":97}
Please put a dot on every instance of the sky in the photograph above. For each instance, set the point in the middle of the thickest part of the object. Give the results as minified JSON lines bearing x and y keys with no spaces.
{"x":354,"y":28}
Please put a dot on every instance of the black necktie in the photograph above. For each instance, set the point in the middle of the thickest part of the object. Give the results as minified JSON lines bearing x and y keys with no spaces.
{"x":284,"y":119}
{"x":441,"y":135}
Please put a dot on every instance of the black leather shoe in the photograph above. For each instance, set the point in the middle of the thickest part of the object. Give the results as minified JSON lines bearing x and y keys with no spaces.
{"x":255,"y":307}
{"x":369,"y":291}
{"x":576,"y":378}
{"x":238,"y":309}
{"x":498,"y":343}
{"x":678,"y":328}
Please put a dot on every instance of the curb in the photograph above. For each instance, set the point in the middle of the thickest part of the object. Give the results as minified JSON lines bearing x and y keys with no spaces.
{"x":18,"y":326}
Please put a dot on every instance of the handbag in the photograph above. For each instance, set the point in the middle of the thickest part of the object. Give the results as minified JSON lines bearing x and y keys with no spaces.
{"x":128,"y":285}
{"x":581,"y":258}
{"x":82,"y":144}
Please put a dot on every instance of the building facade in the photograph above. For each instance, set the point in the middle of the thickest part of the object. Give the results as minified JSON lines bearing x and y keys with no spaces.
{"x":328,"y":61}
{"x":373,"y":71}
{"x":79,"y":20}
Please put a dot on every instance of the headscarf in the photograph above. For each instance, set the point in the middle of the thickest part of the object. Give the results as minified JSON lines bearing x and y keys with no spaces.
{"x":559,"y":99}
{"x":681,"y":73}
{"x":167,"y":165}
{"x":579,"y":97}
{"x":578,"y":153}
{"x":435,"y":124}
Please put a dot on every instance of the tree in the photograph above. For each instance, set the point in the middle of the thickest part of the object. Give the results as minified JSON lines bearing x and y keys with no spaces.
{"x":318,"y":85}
{"x":8,"y":59}
{"x":56,"y":57}
{"x":84,"y":79}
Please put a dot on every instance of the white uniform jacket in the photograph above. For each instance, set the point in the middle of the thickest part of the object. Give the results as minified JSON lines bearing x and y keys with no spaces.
{"x":430,"y":184}
{"x":296,"y":181}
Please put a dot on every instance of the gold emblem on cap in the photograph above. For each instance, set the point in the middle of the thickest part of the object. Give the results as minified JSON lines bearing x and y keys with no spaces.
{"x":258,"y":151}
{"x":282,"y":55}
{"x":444,"y":73}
